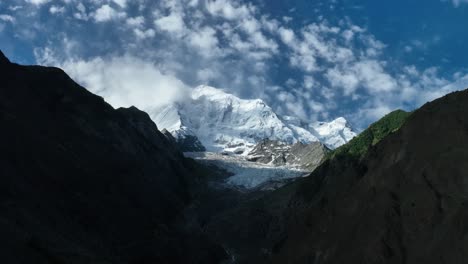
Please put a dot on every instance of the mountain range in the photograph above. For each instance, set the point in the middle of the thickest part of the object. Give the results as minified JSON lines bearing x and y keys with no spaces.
{"x":216,"y":121}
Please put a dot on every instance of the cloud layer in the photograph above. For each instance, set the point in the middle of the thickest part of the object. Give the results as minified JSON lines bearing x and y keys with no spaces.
{"x":123,"y":81}
{"x":149,"y":52}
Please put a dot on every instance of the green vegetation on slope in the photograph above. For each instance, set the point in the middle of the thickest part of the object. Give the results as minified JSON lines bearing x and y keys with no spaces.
{"x":359,"y":145}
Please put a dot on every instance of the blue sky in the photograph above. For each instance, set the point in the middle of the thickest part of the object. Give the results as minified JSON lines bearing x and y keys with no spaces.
{"x":317,"y":60}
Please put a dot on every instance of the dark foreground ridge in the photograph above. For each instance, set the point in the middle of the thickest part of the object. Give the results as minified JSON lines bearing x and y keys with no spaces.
{"x":81,"y":182}
{"x":3,"y":59}
{"x":405,"y":202}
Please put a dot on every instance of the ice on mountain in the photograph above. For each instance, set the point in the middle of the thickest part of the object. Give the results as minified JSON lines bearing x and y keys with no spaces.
{"x":223,"y":122}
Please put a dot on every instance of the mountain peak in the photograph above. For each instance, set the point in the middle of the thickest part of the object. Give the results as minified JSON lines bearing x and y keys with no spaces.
{"x":210,"y":92}
{"x":209,"y":89}
{"x":340,"y":120}
{"x":226,"y":123}
{"x":3,"y":59}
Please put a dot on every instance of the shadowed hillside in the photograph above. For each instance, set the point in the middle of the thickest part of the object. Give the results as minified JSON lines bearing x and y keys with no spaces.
{"x":81,"y":182}
{"x":405,"y":201}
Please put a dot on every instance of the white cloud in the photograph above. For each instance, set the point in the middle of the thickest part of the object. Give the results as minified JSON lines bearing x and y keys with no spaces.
{"x":135,"y":21}
{"x":106,"y":13}
{"x":287,"y":35}
{"x":250,"y":25}
{"x":38,"y":2}
{"x":230,"y":10}
{"x":348,"y":81}
{"x":193,"y":3}
{"x":205,"y":39}
{"x":81,"y":14}
{"x":262,"y":42}
{"x":56,"y":9}
{"x":121,"y":3}
{"x":457,"y":3}
{"x":206,"y":75}
{"x":270,"y":25}
{"x":305,"y":60}
{"x":7,"y":18}
{"x":373,"y":112}
{"x":123,"y":81}
{"x":309,"y":82}
{"x":348,"y":35}
{"x":374,"y":77}
{"x":173,"y":23}
{"x":15,"y":7}
{"x":143,"y":34}
{"x":287,"y":19}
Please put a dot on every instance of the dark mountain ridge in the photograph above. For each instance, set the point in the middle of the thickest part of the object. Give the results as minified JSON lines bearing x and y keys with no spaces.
{"x":81,"y":182}
{"x":404,"y":201}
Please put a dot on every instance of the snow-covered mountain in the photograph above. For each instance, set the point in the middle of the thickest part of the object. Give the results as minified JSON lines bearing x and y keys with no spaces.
{"x":223,"y":122}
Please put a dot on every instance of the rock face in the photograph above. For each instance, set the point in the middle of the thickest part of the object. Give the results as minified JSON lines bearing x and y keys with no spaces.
{"x":222,"y":122}
{"x":404,"y":202}
{"x":187,"y":143}
{"x":305,"y":156}
{"x":190,"y":143}
{"x":81,"y":182}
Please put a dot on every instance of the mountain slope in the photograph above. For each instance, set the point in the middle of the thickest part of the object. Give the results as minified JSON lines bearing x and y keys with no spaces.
{"x":81,"y":182}
{"x":225,"y":123}
{"x":403,"y":202}
{"x":359,"y":145}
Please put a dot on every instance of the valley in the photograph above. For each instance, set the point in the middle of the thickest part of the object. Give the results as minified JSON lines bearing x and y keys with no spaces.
{"x":233,"y":132}
{"x":246,"y":175}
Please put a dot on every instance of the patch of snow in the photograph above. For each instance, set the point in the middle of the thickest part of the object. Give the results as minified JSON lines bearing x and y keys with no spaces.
{"x":334,"y":133}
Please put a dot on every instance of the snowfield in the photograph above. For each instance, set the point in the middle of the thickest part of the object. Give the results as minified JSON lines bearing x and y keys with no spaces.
{"x":225,"y":123}
{"x":246,"y":174}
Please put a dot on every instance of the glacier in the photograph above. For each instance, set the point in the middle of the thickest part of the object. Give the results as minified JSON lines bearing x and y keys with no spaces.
{"x":249,"y":175}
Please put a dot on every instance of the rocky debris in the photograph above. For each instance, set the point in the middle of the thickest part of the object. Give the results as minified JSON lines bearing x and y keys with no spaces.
{"x":248,"y":176}
{"x":305,"y":156}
